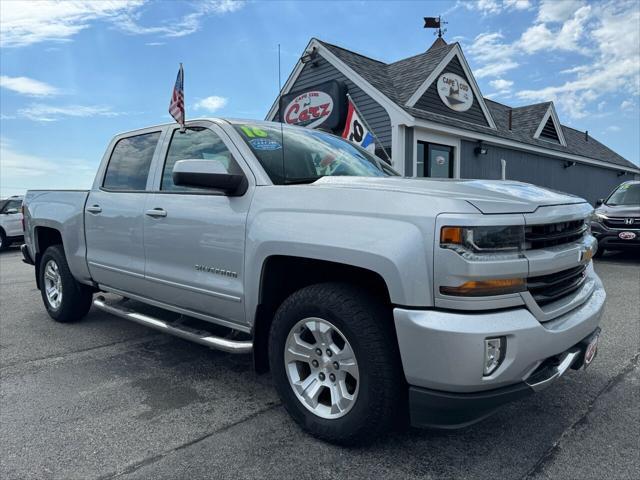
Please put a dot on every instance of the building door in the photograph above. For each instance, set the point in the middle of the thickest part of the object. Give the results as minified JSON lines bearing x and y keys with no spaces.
{"x":434,"y":160}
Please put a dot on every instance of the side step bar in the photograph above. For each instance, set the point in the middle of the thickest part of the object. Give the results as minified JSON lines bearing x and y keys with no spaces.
{"x":226,"y":345}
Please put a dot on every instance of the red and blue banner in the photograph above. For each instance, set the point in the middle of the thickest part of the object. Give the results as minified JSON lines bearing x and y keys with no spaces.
{"x":355,"y":130}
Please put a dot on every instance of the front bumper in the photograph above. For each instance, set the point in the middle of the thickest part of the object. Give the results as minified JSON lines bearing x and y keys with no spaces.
{"x":448,"y":410}
{"x":443,"y":351}
{"x":610,"y":238}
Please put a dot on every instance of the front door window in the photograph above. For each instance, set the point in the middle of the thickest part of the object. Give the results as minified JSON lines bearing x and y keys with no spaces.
{"x":434,"y":160}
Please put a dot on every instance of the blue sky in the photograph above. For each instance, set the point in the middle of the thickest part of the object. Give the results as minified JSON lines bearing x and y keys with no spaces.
{"x":73,"y":74}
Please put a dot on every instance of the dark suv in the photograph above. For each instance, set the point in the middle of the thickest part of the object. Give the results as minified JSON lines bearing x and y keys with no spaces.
{"x":616,"y":220}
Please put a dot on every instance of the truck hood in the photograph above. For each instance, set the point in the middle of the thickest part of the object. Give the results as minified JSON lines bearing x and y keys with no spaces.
{"x":488,"y":196}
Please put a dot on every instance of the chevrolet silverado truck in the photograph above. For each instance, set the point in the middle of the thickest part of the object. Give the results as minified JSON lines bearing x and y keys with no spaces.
{"x":372,"y":299}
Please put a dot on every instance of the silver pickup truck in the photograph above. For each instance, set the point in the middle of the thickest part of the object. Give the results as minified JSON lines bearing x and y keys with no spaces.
{"x":373,"y":299}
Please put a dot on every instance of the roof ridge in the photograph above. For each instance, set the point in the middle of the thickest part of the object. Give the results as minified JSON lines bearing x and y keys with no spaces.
{"x":450,"y":45}
{"x":352,"y":52}
{"x":533,"y":105}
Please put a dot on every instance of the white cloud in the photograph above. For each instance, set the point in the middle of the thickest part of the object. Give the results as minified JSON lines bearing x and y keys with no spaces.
{"x":613,"y":67}
{"x":627,"y":105}
{"x":495,"y":69}
{"x":210,"y":104}
{"x":518,"y":4}
{"x":154,"y":44}
{"x":25,"y":23}
{"x":613,"y":128}
{"x":558,"y":10}
{"x":49,"y":113}
{"x":541,"y":37}
{"x":495,"y":56}
{"x":493,"y":7}
{"x":21,"y":171}
{"x":27,"y":86}
{"x":180,"y":27}
{"x":605,"y":34}
{"x":501,"y":84}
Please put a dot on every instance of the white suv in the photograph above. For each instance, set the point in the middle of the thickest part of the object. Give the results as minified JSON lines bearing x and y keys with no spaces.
{"x":10,"y":221}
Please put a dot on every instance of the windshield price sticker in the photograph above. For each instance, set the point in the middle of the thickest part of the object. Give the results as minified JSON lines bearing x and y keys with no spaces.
{"x":253,"y":132}
{"x":265,"y":144}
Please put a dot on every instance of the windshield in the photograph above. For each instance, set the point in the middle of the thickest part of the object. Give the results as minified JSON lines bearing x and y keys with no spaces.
{"x":625,"y":194}
{"x":298,"y":155}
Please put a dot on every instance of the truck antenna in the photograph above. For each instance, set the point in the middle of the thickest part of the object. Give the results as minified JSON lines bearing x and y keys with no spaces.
{"x":284,"y":171}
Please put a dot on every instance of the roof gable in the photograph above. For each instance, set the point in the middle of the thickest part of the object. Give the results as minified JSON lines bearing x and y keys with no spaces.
{"x":431,"y":101}
{"x":464,"y":69}
{"x":549,"y":128}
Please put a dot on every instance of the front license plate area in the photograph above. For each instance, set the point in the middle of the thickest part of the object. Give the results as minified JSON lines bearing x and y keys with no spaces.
{"x":627,"y":236}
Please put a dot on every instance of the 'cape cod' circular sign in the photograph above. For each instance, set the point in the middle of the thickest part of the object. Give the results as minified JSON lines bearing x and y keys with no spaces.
{"x":309,"y":109}
{"x":455,"y":92}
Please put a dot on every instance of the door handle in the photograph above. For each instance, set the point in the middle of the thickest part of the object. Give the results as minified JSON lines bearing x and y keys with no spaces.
{"x":94,"y":209}
{"x":156,"y":212}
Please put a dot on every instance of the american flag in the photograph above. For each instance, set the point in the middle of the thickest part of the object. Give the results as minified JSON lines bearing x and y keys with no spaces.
{"x":176,"y":107}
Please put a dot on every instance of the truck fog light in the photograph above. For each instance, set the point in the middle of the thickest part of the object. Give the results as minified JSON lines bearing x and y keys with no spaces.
{"x":494,"y":350}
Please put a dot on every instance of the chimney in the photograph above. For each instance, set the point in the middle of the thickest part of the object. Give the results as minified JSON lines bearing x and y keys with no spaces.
{"x":586,"y":135}
{"x":510,"y":118}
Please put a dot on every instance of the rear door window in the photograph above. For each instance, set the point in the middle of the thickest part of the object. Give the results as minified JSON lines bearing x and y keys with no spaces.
{"x":130,"y":162}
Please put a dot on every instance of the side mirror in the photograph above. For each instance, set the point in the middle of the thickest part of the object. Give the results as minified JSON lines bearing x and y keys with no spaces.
{"x":208,"y":174}
{"x":11,"y":211}
{"x":599,"y":202}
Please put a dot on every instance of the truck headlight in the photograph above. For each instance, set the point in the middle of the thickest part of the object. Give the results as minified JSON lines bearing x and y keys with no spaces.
{"x":481,"y":239}
{"x":598,"y":217}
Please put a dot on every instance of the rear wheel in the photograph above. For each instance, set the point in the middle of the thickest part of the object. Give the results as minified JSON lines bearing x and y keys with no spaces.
{"x":65,"y":299}
{"x":334,"y":359}
{"x":4,"y":243}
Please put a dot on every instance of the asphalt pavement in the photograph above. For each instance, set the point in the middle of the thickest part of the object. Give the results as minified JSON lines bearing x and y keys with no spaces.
{"x":105,"y":398}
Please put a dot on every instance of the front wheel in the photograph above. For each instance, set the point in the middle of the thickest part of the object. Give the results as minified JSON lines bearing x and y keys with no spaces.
{"x":65,"y":299}
{"x":335,"y":363}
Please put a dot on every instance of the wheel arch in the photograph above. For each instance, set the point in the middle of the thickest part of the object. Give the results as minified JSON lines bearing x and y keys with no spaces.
{"x":282,"y":275}
{"x":44,"y":237}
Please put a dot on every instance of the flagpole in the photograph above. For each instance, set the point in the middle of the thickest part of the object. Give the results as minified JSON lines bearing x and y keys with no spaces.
{"x":369,"y":128}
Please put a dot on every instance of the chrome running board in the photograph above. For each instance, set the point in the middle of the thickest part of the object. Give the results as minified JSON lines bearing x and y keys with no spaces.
{"x":219,"y":343}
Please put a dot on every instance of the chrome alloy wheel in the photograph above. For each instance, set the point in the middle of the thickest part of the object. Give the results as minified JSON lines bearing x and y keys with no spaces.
{"x":322,"y":368}
{"x":53,"y":284}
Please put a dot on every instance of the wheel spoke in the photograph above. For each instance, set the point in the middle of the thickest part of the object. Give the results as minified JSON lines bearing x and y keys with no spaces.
{"x":340,"y":399}
{"x":299,"y":350}
{"x":313,"y":392}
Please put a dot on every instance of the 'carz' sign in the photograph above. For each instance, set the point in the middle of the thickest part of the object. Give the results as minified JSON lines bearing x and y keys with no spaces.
{"x":322,"y":105}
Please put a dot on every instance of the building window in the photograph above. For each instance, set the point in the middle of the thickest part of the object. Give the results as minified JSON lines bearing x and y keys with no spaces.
{"x":434,"y":160}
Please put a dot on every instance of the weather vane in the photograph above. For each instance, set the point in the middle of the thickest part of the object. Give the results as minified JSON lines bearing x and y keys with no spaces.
{"x":435,"y":22}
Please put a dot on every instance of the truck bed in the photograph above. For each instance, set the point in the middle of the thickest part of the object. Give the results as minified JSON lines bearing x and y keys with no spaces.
{"x":62,"y":210}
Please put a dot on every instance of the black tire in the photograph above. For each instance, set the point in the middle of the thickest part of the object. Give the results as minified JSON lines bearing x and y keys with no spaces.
{"x":76,"y":297}
{"x":4,"y":243}
{"x":367,"y":325}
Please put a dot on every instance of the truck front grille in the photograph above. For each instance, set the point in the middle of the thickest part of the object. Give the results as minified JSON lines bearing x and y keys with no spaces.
{"x":552,"y":234}
{"x":551,"y":287}
{"x":624,"y":223}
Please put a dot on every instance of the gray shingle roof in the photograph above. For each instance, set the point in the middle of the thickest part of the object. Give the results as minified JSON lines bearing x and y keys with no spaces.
{"x":400,"y":79}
